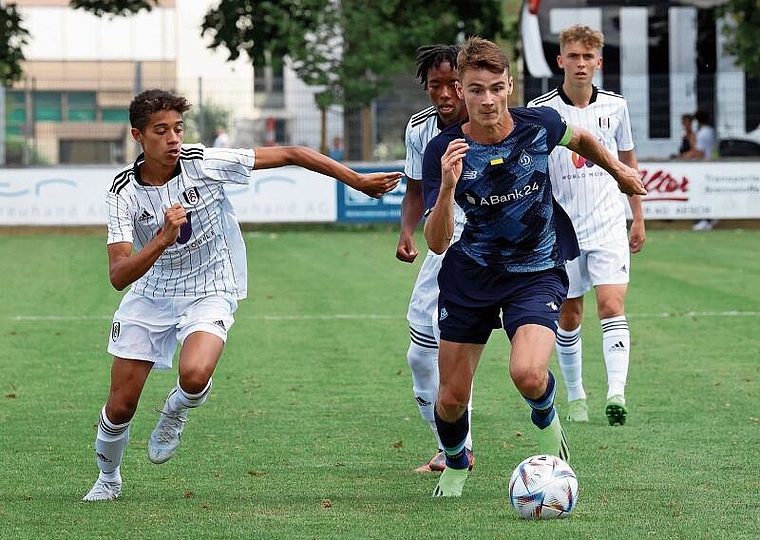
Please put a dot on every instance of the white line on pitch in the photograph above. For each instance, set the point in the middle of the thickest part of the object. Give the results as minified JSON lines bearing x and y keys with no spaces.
{"x":359,"y":316}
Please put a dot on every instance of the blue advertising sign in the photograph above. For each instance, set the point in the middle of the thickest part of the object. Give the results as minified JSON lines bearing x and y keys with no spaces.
{"x":356,"y":207}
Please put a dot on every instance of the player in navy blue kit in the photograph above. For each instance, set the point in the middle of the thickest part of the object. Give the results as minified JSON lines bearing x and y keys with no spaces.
{"x":509,"y":261}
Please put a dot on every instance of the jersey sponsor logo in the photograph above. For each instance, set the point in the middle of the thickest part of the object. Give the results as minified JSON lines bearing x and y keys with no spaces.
{"x":191,"y":196}
{"x":115,"y":330}
{"x":502,"y":198}
{"x":579,"y":161}
{"x":186,"y":230}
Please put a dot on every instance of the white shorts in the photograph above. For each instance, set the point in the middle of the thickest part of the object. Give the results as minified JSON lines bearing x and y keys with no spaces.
{"x":608,"y":264}
{"x":423,"y":305}
{"x":150,"y":329}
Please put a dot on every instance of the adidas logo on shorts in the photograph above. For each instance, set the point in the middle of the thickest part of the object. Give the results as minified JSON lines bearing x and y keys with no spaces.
{"x":220,"y":324}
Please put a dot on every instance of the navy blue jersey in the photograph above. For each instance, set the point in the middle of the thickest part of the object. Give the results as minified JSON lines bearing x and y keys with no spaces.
{"x":513,"y":222}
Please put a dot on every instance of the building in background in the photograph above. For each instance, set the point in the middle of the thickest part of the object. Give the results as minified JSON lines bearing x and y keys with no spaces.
{"x":81,"y":72}
{"x":666,"y":58}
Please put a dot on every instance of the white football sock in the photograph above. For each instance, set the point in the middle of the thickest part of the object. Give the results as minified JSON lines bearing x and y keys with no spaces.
{"x":616,"y":345}
{"x":178,"y":400}
{"x":569,"y":347}
{"x":110,"y":443}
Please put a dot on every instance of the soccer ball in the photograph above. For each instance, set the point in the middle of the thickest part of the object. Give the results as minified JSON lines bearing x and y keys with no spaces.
{"x":543,"y":487}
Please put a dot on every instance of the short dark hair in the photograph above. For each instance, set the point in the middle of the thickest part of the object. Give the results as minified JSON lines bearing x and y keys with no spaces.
{"x":432,"y":56}
{"x":151,"y":101}
{"x":701,"y":116}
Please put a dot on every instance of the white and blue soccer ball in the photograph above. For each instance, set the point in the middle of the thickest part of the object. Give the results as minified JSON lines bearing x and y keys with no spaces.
{"x":543,"y":487}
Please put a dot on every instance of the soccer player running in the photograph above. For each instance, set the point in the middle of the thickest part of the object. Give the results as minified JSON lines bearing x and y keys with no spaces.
{"x":173,"y":236}
{"x":509,"y":260}
{"x":592,"y":199}
{"x":436,"y":70}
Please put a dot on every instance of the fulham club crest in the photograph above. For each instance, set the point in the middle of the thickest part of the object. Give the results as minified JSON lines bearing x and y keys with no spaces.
{"x":604,"y":122}
{"x":191,"y":196}
{"x":115,"y":331}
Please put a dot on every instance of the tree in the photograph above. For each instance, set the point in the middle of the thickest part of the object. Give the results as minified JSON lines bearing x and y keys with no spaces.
{"x":742,"y":37}
{"x":13,"y":37}
{"x":113,"y":8}
{"x":349,"y":47}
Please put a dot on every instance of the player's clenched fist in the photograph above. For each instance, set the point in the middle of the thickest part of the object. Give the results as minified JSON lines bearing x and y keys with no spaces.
{"x":174,"y":217}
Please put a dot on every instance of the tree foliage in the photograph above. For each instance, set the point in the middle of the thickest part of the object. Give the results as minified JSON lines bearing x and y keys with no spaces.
{"x":742,"y":37}
{"x":13,"y":37}
{"x":114,"y":8}
{"x":348,"y":46}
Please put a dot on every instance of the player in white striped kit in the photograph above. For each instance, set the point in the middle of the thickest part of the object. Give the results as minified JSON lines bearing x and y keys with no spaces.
{"x":173,"y":235}
{"x":436,"y":70}
{"x":593,"y":201}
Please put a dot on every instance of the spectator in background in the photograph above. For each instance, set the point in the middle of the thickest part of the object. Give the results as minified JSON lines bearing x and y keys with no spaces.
{"x":705,"y":144}
{"x":222,"y":139}
{"x":336,"y":152}
{"x":688,"y":139}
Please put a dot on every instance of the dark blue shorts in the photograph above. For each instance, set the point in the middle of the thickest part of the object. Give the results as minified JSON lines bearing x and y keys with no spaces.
{"x":472,"y":297}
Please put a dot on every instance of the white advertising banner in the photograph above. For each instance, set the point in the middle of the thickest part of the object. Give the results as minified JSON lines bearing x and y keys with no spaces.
{"x":65,"y":196}
{"x":707,"y":189}
{"x":76,"y":196}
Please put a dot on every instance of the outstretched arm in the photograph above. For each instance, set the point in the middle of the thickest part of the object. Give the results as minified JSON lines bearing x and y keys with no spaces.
{"x":373,"y":184}
{"x":586,"y":144}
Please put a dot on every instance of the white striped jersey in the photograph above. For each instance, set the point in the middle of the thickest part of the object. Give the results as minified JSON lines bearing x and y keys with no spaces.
{"x":209,"y":254}
{"x":422,"y":127}
{"x":588,"y":193}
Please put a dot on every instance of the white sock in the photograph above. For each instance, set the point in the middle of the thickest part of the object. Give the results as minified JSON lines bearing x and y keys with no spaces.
{"x":422,"y":357}
{"x":423,"y":364}
{"x":616,"y":345}
{"x":110,"y":443}
{"x":178,"y":400}
{"x":569,"y":347}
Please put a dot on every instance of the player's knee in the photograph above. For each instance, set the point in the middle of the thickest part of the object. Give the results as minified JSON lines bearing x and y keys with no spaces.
{"x":453,"y":402}
{"x":610,"y":308}
{"x":423,"y":361}
{"x":120,"y":411}
{"x":529,"y":382}
{"x":194,"y":381}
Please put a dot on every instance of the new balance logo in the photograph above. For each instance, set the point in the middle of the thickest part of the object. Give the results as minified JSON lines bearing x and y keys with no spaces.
{"x":145,"y":216}
{"x":618,"y":347}
{"x":220,"y":324}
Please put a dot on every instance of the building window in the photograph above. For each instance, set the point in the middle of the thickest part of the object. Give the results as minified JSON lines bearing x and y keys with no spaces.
{"x":115,"y":116}
{"x":81,"y":107}
{"x":47,"y":106}
{"x":15,"y":112}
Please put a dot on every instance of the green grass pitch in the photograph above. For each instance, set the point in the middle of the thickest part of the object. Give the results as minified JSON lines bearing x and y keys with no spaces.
{"x":311,"y":431}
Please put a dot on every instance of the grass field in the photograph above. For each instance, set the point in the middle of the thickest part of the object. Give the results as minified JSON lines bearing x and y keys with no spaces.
{"x":312,"y":433}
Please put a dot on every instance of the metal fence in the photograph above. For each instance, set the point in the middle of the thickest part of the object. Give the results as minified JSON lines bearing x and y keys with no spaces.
{"x":49,"y":124}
